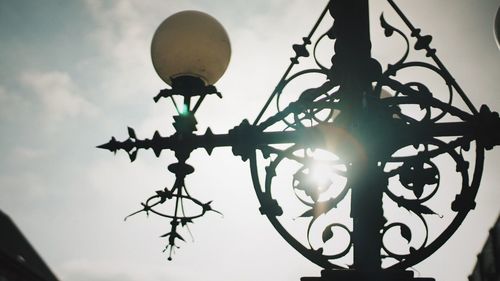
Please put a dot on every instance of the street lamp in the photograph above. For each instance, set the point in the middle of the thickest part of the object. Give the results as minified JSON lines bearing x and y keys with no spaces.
{"x":190,"y":43}
{"x":376,"y":138}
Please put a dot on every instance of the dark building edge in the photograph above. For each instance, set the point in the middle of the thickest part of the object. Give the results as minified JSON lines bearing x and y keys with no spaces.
{"x":18,"y":259}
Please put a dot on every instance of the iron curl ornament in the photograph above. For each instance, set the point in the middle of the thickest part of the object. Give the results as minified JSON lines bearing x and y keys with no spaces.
{"x":359,"y":158}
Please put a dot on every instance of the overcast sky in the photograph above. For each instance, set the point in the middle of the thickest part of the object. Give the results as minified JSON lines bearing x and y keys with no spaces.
{"x":74,"y":73}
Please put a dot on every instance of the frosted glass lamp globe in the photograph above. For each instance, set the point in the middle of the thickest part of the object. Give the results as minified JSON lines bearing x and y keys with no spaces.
{"x":190,"y":43}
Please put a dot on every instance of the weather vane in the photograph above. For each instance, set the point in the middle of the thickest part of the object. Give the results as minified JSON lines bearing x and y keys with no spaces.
{"x":362,"y":155}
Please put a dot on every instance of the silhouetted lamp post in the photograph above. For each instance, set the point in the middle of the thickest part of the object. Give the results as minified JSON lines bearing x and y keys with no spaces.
{"x":362,"y":142}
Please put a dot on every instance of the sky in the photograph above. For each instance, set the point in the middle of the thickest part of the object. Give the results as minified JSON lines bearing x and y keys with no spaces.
{"x":75,"y":73}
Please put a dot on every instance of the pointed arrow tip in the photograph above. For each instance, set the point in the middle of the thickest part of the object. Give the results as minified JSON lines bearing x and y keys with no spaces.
{"x":111,"y":145}
{"x":105,"y":146}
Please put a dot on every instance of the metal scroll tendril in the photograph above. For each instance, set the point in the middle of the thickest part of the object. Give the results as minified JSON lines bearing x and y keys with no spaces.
{"x":418,"y":171}
{"x":313,"y":108}
{"x":310,"y":191}
{"x":177,"y":196}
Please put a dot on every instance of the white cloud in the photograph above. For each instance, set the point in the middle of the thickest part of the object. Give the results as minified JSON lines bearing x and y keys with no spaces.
{"x":58,"y":96}
{"x":121,"y":28}
{"x":11,"y":104}
{"x":22,"y":188}
{"x":122,"y":36}
{"x":22,"y":153}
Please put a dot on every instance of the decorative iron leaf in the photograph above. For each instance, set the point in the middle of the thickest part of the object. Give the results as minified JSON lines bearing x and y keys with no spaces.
{"x":308,"y":213}
{"x":405,"y":232}
{"x":320,"y":208}
{"x":422,"y":209}
{"x":415,"y":206}
{"x":388,"y":29}
{"x":418,"y":189}
{"x":133,"y":155}
{"x":166,"y":234}
{"x":177,"y":235}
{"x":327,"y":234}
{"x":131,"y":133}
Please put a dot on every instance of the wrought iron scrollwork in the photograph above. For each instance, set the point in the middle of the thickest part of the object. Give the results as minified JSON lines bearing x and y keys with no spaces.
{"x":419,"y":171}
{"x":178,"y":195}
{"x":429,"y":131}
{"x":378,"y":140}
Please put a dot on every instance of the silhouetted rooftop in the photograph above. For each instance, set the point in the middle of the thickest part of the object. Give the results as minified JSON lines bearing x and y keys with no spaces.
{"x":18,"y":259}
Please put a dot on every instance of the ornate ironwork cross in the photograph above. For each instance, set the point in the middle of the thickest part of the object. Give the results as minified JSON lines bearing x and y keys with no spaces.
{"x":378,"y":140}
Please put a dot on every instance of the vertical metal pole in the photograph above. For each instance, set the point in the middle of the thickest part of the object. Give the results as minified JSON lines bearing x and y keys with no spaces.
{"x":355,"y":71}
